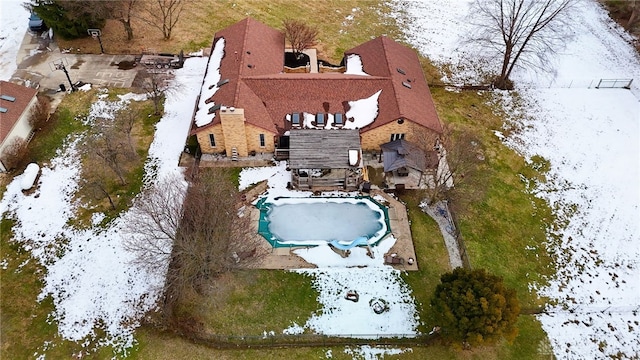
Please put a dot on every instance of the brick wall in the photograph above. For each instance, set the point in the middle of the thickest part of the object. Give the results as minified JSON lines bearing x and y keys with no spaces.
{"x":372,"y":139}
{"x":234,"y":131}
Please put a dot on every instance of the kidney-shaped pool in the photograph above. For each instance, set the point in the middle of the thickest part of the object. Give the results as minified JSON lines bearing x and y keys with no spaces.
{"x":287,"y":222}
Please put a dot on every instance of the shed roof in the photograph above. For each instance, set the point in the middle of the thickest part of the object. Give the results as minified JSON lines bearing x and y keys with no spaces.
{"x":322,"y":149}
{"x":14,"y":109}
{"x":402,"y":153}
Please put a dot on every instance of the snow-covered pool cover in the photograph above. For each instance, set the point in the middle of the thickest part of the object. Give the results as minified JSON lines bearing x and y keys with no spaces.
{"x":317,"y":221}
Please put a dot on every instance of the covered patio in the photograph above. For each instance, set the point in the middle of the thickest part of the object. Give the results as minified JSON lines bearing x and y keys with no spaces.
{"x":325,"y":159}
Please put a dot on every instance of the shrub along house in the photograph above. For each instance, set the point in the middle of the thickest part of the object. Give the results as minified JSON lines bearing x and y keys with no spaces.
{"x":249,"y":104}
{"x":16,"y":106}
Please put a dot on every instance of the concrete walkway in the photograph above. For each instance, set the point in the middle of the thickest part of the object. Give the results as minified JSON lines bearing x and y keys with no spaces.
{"x":440,"y":213}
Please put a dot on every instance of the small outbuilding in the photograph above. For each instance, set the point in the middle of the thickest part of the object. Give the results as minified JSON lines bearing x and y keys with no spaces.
{"x":406,"y":164}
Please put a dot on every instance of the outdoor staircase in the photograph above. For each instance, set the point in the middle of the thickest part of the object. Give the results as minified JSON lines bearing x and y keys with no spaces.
{"x":234,"y":154}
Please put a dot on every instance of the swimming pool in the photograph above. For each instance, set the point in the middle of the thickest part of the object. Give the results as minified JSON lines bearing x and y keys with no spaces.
{"x":290,"y":222}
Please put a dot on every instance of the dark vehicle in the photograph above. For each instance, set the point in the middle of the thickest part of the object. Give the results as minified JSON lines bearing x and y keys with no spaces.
{"x":35,"y":22}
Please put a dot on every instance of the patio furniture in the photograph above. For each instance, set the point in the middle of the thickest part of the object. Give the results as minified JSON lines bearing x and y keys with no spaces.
{"x":393,"y":260}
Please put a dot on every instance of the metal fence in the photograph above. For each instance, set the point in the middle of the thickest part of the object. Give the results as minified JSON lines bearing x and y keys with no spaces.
{"x":614,"y":83}
{"x":455,"y":231}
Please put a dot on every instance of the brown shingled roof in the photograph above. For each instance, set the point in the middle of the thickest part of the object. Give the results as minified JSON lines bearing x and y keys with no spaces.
{"x":385,"y":57}
{"x":267,"y":94}
{"x":23,"y":96}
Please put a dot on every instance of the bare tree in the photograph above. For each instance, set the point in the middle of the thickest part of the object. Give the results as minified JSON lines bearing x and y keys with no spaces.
{"x":199,"y":238}
{"x":456,"y":156}
{"x":97,"y":182}
{"x":14,"y":153}
{"x":123,"y":11}
{"x":164,"y":15}
{"x":110,"y":143}
{"x":518,"y":32}
{"x":40,"y":114}
{"x":300,"y":35}
{"x":156,"y":86}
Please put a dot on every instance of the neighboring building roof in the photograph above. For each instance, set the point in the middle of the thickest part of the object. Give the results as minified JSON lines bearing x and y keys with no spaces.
{"x":322,"y":149}
{"x":401,"y":153}
{"x":253,"y":62}
{"x":15,"y":108}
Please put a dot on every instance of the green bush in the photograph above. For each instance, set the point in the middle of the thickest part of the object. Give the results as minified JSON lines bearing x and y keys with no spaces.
{"x":475,"y":307}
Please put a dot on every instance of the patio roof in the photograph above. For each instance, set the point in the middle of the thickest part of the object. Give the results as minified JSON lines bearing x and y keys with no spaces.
{"x":401,"y":153}
{"x":322,"y":149}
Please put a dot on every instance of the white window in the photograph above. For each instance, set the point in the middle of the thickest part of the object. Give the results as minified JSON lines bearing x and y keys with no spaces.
{"x":212,"y":140}
{"x":262,"y":144}
{"x":397,"y":137}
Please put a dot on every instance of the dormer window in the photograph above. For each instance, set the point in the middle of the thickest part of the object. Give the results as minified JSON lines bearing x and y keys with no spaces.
{"x":338,"y":119}
{"x":295,"y":120}
{"x":320,"y":119}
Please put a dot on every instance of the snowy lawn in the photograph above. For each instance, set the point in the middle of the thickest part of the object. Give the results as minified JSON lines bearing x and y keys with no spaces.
{"x":590,"y":138}
{"x":14,"y":19}
{"x":335,"y":276}
{"x":90,"y":274}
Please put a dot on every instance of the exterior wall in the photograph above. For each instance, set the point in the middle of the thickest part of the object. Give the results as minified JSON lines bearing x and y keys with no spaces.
{"x":372,"y":139}
{"x":203,"y":140}
{"x":233,"y":127}
{"x":235,"y":132}
{"x":253,"y":139}
{"x":21,"y":129}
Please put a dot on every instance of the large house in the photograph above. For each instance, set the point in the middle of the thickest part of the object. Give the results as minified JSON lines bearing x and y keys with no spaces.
{"x":16,"y":105}
{"x":251,"y":103}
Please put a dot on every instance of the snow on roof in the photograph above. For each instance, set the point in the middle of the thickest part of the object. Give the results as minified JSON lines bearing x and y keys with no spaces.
{"x":209,"y":85}
{"x":354,"y":65}
{"x":363,"y":112}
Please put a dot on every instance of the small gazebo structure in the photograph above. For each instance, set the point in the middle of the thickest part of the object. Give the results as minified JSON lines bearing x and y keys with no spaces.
{"x":406,"y":164}
{"x":325,"y":159}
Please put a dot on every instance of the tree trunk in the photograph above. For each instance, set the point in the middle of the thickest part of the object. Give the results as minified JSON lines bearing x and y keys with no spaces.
{"x":634,"y":15}
{"x":127,"y":28}
{"x":502,"y":81}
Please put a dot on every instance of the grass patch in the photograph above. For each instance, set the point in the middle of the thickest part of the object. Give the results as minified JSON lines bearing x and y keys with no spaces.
{"x":24,"y":322}
{"x":255,"y":301}
{"x":65,"y":121}
{"x":142,"y":135}
{"x":504,"y":229}
{"x":202,"y":18}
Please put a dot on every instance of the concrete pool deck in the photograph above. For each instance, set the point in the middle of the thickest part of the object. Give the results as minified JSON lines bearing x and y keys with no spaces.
{"x":284,"y":258}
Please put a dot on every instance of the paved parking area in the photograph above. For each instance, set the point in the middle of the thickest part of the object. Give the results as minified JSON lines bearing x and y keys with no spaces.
{"x":36,"y":65}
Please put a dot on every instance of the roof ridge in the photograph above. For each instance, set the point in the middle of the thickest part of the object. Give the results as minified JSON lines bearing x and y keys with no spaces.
{"x":391,"y":76}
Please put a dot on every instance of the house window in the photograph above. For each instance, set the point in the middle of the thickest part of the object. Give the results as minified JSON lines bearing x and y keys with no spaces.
{"x":397,"y":137}
{"x":212,"y":140}
{"x":262,"y":144}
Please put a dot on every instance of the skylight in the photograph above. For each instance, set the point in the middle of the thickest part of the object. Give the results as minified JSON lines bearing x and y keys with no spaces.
{"x":8,"y":98}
